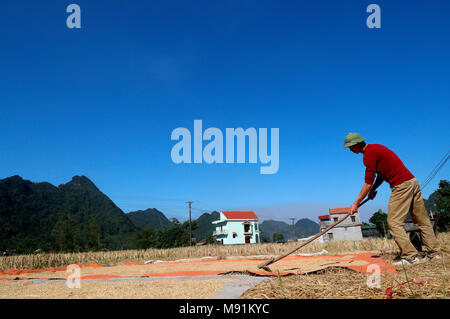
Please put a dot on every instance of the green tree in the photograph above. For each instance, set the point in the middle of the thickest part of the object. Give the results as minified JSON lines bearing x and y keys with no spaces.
{"x":67,"y":233}
{"x":379,"y":219}
{"x":177,"y":235}
{"x":94,"y":234}
{"x":147,"y":238}
{"x":277,"y":236}
{"x":443,"y":205}
{"x":264,"y":239}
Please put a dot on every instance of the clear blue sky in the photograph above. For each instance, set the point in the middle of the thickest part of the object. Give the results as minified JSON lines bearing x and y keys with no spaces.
{"x":103,"y":100}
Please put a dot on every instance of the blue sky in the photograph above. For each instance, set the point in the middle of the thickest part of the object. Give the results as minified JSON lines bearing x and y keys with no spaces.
{"x":102,"y":101}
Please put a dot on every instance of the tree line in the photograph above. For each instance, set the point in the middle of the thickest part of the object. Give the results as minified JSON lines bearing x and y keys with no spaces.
{"x":69,"y":237}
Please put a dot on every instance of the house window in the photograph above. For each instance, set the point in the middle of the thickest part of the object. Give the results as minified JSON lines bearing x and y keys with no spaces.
{"x":353,"y":218}
{"x":335,"y":219}
{"x":330,"y":236}
{"x":234,"y":235}
{"x":246,"y":228}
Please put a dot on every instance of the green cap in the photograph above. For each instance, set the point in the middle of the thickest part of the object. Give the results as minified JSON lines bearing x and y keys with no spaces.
{"x":353,"y":139}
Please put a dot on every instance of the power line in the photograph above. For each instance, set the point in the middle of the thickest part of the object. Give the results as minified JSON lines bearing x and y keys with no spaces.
{"x":435,"y":170}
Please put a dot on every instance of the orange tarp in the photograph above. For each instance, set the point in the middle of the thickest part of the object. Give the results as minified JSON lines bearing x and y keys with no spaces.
{"x":286,"y":266}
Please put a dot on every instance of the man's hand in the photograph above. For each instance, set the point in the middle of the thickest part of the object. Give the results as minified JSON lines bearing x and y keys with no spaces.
{"x":364,"y":191}
{"x":354,"y":208}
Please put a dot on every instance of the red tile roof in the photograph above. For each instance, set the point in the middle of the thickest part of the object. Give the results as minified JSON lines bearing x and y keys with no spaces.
{"x":240,"y":215}
{"x":324,"y":217}
{"x":339,"y":210}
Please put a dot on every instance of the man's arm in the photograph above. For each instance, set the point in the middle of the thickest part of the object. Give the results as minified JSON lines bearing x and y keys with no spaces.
{"x":364,"y":191}
{"x":369,"y":190}
{"x":378,"y":182}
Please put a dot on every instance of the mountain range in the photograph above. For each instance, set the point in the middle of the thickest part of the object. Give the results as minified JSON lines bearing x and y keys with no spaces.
{"x":302,"y":228}
{"x":149,"y":217}
{"x":78,"y":216}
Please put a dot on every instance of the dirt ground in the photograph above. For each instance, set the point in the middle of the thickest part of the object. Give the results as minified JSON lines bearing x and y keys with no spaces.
{"x":155,"y":289}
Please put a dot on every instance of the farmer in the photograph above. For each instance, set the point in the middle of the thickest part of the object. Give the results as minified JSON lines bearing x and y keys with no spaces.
{"x":406,"y":197}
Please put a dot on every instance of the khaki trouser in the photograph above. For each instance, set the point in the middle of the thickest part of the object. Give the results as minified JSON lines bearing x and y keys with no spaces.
{"x":407,"y":197}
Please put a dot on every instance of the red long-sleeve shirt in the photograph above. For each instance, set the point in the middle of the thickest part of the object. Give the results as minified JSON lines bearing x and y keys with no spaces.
{"x":380,"y":160}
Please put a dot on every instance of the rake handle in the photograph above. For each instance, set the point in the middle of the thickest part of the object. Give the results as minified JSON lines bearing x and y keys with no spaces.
{"x":273,"y":260}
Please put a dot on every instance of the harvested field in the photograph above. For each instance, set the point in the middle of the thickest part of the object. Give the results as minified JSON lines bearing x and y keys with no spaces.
{"x":288,"y":265}
{"x":219,"y":252}
{"x":181,"y":279}
{"x":156,"y":289}
{"x":339,"y":274}
{"x":427,"y":280}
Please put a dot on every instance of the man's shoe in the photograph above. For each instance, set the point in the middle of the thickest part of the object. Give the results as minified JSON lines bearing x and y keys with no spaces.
{"x":432,"y":258}
{"x":406,"y":262}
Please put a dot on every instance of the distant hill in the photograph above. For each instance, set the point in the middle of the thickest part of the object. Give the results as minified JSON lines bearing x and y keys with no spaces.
{"x":72,"y":216}
{"x":205,"y":227}
{"x":430,"y":203}
{"x":77,"y":216}
{"x":303,"y":228}
{"x":269,"y":227}
{"x":149,"y":217}
{"x":156,"y":219}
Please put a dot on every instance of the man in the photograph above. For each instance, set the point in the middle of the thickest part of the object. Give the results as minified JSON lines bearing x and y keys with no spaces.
{"x":406,"y":197}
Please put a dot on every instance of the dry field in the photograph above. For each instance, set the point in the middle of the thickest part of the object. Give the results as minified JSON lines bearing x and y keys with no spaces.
{"x":220,"y":252}
{"x":427,"y":280}
{"x":155,"y":289}
{"x":329,"y":283}
{"x":343,"y":283}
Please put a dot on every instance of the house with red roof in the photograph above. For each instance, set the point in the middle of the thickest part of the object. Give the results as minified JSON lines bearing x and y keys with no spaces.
{"x":237,"y":227}
{"x":349,"y":229}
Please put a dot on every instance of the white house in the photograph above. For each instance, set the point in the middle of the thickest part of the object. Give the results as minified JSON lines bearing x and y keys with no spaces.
{"x":237,"y":227}
{"x":349,"y":229}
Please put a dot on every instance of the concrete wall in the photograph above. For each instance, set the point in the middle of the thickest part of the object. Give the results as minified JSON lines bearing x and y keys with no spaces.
{"x":349,"y":229}
{"x":346,"y":233}
{"x":348,"y":221}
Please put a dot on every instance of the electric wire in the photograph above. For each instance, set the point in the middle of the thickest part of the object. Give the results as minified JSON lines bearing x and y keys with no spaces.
{"x":435,"y":170}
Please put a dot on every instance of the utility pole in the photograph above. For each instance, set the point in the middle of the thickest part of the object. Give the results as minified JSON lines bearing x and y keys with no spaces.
{"x":293,"y":227}
{"x":190,"y":227}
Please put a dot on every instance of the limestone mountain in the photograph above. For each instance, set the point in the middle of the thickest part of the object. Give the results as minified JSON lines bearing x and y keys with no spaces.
{"x":149,"y":217}
{"x":73,"y":216}
{"x":205,"y":227}
{"x":303,"y":228}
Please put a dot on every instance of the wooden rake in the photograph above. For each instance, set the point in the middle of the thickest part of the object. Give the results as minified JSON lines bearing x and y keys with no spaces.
{"x":265,"y":265}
